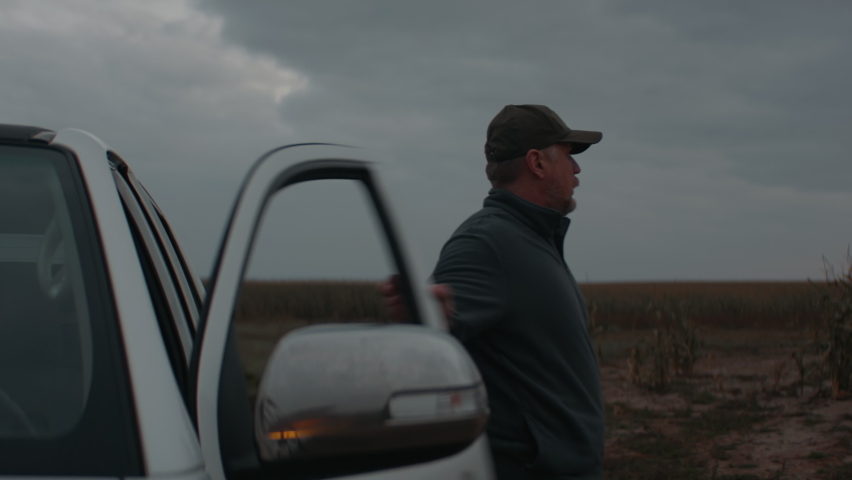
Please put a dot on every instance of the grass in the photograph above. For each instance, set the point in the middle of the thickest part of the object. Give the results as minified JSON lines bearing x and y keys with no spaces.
{"x":720,"y":451}
{"x":729,"y":416}
{"x":842,"y":472}
{"x":657,"y":446}
{"x":678,"y":454}
{"x":650,"y":468}
{"x":812,"y":420}
{"x":658,"y":457}
{"x":704,"y":398}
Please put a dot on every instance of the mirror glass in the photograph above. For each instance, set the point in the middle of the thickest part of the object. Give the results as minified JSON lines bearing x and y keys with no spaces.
{"x":332,"y":392}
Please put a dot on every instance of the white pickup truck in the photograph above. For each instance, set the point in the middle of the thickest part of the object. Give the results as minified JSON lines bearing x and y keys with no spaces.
{"x":114,"y":362}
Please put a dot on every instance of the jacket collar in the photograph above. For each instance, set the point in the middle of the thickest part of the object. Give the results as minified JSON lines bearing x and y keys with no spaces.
{"x":547,"y":222}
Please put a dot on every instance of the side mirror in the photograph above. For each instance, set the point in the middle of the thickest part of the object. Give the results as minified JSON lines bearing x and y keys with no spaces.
{"x":344,"y":390}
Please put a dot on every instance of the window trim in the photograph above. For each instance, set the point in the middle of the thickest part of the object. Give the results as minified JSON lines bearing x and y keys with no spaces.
{"x":136,"y":218}
{"x":171,"y":255}
{"x":198,"y":289}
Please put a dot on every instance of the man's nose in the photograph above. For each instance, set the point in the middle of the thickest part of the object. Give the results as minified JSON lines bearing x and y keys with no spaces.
{"x":575,"y":165}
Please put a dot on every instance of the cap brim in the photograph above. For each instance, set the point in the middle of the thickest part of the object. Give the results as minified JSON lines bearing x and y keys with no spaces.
{"x":581,"y":140}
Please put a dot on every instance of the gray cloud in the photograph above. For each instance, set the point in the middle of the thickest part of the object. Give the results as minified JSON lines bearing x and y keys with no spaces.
{"x":764,"y":82}
{"x":724,"y":152}
{"x":156,"y":81}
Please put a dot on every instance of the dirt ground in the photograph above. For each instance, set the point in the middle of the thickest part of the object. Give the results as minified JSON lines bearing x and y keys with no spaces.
{"x":742,"y":414}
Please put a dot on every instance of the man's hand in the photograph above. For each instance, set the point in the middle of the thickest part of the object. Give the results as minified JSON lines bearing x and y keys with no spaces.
{"x":393,"y":300}
{"x":396,"y":304}
{"x":444,"y":296}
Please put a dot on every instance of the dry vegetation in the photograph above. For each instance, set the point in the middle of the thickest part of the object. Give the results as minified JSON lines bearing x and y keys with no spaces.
{"x":836,"y":348}
{"x":671,"y":349}
{"x":701,"y":380}
{"x":790,"y":305}
{"x":314,"y":301}
{"x":735,"y":381}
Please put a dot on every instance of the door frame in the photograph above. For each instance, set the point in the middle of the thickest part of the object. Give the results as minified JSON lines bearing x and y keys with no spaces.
{"x":274,"y":171}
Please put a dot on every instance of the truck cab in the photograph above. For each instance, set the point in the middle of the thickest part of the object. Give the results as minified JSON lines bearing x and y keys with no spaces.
{"x":117,"y":361}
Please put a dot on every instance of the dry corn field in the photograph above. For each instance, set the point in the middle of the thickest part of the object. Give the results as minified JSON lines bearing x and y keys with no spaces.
{"x":701,"y":380}
{"x":721,"y":305}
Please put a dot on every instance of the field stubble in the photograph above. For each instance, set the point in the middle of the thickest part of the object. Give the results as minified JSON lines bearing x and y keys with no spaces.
{"x":746,"y":410}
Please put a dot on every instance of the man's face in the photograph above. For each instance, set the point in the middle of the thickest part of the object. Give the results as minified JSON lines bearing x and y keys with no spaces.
{"x":563,"y":179}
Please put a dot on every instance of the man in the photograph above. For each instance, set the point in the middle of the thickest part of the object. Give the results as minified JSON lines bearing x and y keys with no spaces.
{"x":514,"y":304}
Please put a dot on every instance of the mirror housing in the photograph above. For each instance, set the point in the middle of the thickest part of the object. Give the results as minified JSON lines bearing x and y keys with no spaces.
{"x":343,"y":390}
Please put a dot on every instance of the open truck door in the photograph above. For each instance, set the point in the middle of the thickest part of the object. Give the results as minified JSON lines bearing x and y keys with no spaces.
{"x":328,"y":404}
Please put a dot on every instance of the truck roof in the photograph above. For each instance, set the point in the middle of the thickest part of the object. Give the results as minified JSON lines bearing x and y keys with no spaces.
{"x":25,"y":133}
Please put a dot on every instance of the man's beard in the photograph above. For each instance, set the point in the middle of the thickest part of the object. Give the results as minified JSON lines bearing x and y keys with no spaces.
{"x":572,"y":205}
{"x":557,"y":201}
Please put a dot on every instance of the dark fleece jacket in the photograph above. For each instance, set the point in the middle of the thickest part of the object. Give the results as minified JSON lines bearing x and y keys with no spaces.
{"x":523,"y":319}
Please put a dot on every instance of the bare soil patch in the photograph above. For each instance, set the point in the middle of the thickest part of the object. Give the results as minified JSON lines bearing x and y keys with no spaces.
{"x":744,"y":413}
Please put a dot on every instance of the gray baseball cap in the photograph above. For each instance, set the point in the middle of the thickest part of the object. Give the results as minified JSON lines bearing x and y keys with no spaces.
{"x":519,"y":128}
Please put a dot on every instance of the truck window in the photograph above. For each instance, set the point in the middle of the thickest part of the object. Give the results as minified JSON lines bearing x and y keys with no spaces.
{"x":318,"y":258}
{"x":65,"y":405}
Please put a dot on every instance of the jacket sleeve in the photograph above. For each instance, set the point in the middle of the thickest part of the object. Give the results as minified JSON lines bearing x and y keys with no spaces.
{"x":471,"y":267}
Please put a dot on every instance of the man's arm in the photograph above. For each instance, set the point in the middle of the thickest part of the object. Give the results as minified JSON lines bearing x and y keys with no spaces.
{"x":395,"y":304}
{"x":471,"y":268}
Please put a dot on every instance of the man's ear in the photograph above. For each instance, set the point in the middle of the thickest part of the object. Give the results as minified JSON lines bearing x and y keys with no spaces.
{"x":536,"y":163}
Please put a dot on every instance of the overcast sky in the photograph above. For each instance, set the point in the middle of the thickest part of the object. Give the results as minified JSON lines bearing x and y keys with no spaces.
{"x":726,"y":124}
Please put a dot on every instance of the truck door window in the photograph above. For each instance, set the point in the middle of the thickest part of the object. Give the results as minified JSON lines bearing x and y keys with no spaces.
{"x":318,"y":258}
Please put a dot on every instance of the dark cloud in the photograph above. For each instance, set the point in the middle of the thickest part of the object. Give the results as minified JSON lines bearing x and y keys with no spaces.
{"x":724,"y":151}
{"x":762,"y":82}
{"x":724,"y":121}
